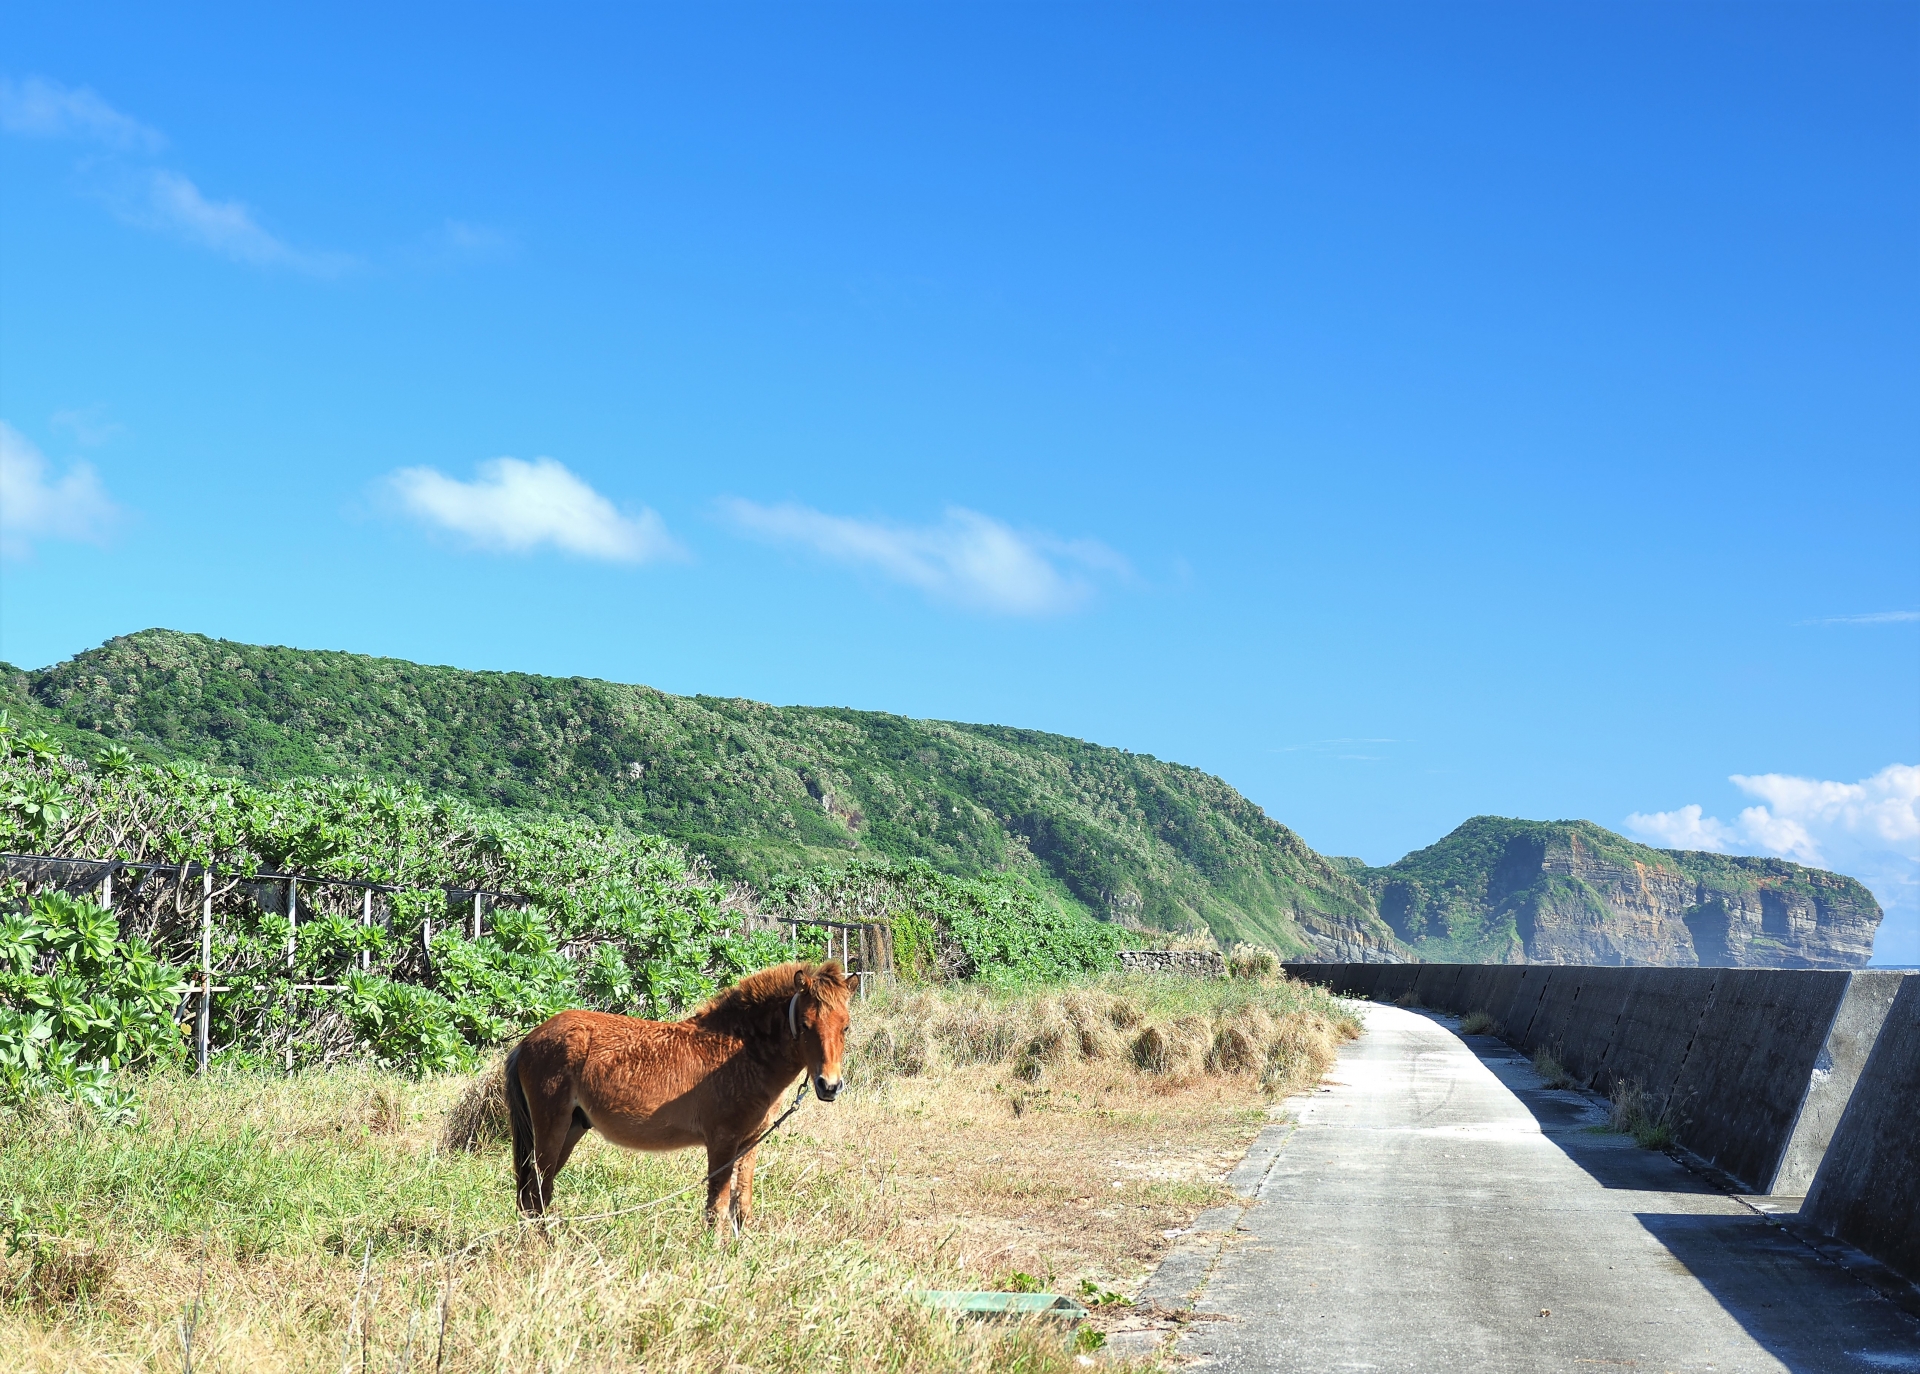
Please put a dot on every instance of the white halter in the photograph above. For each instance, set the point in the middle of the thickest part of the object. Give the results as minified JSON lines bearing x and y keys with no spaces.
{"x":793,"y":1019}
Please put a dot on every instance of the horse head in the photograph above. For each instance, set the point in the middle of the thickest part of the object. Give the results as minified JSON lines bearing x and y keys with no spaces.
{"x":817,"y":1017}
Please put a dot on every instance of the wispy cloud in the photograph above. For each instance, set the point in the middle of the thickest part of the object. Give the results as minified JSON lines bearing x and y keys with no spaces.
{"x":1346,"y":749}
{"x":155,"y":198}
{"x":1869,"y":828}
{"x":39,"y":108}
{"x":968,"y":559}
{"x":90,"y":427}
{"x":35,"y":506}
{"x":1872,"y":618}
{"x":516,"y":507}
{"x":170,"y":203}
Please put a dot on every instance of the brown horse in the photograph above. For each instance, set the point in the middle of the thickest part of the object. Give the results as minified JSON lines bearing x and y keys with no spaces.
{"x":712,"y":1079}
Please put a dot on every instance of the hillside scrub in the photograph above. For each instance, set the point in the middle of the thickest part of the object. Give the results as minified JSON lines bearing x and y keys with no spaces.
{"x":269,"y":1198}
{"x":1002,"y":929}
{"x":601,"y":917}
{"x":759,"y":790}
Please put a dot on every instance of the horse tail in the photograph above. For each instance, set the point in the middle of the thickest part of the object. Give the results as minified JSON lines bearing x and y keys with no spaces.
{"x":526,"y":1174}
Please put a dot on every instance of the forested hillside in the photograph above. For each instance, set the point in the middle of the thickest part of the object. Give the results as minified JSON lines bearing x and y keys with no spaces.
{"x":757,"y":789}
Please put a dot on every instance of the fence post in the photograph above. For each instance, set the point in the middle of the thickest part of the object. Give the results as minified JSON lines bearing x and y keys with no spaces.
{"x":478,"y":898}
{"x":205,"y":1026}
{"x":366,"y":920}
{"x":106,"y":890}
{"x":293,"y":921}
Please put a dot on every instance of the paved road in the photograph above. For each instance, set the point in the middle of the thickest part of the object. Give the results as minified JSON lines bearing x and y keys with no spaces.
{"x":1437,"y":1203}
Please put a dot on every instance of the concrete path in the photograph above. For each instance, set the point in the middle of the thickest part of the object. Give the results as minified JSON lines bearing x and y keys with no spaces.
{"x":1436,"y":1208}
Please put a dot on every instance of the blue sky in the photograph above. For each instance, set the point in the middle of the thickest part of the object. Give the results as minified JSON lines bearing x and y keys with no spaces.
{"x":1404,"y":412}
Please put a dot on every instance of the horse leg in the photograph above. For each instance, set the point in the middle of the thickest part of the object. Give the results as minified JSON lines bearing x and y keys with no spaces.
{"x":577,"y":1126}
{"x":546,"y":1126}
{"x":743,"y":1180}
{"x":741,"y":1205}
{"x":721,"y":1169}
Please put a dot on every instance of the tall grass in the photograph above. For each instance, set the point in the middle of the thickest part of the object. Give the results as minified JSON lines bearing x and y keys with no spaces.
{"x":324,"y":1222}
{"x":1636,"y":1113}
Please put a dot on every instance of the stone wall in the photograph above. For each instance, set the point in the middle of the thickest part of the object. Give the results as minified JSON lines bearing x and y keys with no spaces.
{"x":1185,"y":963}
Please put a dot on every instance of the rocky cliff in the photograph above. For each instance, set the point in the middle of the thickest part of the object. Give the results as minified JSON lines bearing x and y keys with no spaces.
{"x":1499,"y":890}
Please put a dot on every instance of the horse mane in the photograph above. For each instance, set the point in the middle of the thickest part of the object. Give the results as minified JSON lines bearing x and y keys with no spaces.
{"x":752,"y":1004}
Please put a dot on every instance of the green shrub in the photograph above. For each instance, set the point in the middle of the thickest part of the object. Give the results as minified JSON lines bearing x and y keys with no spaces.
{"x":78,"y":1003}
{"x":1003,"y":929}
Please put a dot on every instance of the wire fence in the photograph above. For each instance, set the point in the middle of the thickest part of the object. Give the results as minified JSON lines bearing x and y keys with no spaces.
{"x":175,"y":908}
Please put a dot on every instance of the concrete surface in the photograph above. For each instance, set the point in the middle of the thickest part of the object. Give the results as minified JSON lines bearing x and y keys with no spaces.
{"x":1856,"y":1026}
{"x":1867,"y":1192}
{"x":1738,"y":1055}
{"x":1436,"y":1208}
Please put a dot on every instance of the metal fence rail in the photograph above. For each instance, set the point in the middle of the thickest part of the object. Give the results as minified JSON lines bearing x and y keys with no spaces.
{"x":865,"y":951}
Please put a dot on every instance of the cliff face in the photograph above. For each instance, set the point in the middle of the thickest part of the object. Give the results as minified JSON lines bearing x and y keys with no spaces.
{"x":1569,"y":892}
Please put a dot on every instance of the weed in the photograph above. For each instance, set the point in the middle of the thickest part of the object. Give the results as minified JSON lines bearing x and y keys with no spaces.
{"x":1409,"y":999}
{"x":1552,"y":1072}
{"x":1093,"y":1295}
{"x":1253,"y":961}
{"x":1480,"y":1023}
{"x":1635,"y":1114}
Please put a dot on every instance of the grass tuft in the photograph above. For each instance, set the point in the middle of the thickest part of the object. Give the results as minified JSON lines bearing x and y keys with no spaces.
{"x":1552,"y":1072}
{"x":1636,"y":1114}
{"x":478,"y":1116}
{"x":1480,"y":1023}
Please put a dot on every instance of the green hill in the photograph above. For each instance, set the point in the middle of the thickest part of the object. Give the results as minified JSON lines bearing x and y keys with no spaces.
{"x":1499,"y":890}
{"x":758,"y":789}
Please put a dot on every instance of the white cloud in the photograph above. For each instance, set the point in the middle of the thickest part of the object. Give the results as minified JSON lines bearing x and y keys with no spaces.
{"x":1804,"y":813}
{"x":1872,"y":618}
{"x":969,"y":559}
{"x":515,"y":507}
{"x":32,"y":507}
{"x":171,"y":203}
{"x":1686,"y":828}
{"x":40,"y":108}
{"x":1870,"y":829}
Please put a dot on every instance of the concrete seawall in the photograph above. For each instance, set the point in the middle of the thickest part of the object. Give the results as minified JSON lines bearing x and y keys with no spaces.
{"x":1757,"y":1067}
{"x":1867,"y":1191}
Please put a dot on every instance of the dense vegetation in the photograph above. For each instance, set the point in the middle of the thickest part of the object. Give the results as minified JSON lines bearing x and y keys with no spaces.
{"x":757,"y":790}
{"x":597,"y":915}
{"x":1466,"y":896}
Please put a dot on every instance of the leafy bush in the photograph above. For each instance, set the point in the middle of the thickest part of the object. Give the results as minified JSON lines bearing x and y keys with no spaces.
{"x":1001,"y":929}
{"x":77,"y":1003}
{"x":604,"y":917}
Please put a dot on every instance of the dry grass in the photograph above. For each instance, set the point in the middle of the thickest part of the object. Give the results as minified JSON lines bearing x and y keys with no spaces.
{"x":984,"y":1137}
{"x":1635,"y":1113}
{"x":1552,"y":1072}
{"x":1480,"y":1023}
